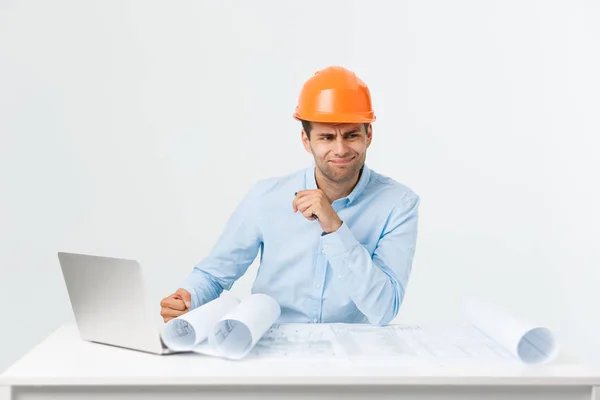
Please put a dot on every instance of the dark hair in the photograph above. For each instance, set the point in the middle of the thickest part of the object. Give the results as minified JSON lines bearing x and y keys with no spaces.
{"x":307,"y":126}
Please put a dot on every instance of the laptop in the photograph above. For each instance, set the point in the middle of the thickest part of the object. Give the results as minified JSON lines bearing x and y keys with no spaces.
{"x":109,"y":302}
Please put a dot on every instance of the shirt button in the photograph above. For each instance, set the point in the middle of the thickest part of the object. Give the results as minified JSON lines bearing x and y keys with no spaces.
{"x":315,"y":320}
{"x":339,"y":277}
{"x":318,"y":285}
{"x":324,"y":252}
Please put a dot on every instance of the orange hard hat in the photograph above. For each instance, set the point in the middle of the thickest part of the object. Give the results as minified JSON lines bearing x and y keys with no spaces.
{"x":335,"y":94}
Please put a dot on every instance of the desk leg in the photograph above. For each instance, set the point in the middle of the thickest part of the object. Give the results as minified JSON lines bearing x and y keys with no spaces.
{"x":5,"y":393}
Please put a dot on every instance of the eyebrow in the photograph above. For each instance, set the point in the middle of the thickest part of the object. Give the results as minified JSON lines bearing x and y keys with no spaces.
{"x":345,"y":133}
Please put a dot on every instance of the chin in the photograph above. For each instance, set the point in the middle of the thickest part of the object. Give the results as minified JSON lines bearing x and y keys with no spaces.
{"x":341,"y":177}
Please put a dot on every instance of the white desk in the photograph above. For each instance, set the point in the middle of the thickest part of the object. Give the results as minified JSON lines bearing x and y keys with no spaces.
{"x":65,"y":367}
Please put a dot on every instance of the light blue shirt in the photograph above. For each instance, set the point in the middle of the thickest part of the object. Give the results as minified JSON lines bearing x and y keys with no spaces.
{"x":357,"y":274}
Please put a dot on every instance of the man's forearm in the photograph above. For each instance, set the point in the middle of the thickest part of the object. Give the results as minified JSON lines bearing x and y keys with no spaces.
{"x":231,"y":255}
{"x":376,"y":282}
{"x":202,"y":286}
{"x":374,"y":290}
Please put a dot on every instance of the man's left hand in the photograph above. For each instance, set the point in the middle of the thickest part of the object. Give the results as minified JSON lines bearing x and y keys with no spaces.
{"x":314,"y":202}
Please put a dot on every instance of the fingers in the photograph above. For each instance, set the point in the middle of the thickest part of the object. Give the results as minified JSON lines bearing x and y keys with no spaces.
{"x":305,"y":206}
{"x":308,"y":203}
{"x":310,"y":213}
{"x":185,"y":296}
{"x":309,"y":216}
{"x":173,"y":303}
{"x":301,"y":193}
{"x":304,"y":193}
{"x":176,"y":304}
{"x":172,"y":308}
{"x":171,"y":313}
{"x":318,"y":192}
{"x":305,"y":197}
{"x":295,"y":201}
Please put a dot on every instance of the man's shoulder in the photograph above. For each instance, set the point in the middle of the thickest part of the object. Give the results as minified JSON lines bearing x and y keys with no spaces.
{"x":388,"y":188}
{"x":275,"y":184}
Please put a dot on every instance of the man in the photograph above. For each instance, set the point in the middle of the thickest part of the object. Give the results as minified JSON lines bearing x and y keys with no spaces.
{"x":336,"y":240}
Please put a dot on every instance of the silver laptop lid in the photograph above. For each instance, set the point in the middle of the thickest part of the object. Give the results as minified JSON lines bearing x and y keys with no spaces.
{"x":109,"y":301}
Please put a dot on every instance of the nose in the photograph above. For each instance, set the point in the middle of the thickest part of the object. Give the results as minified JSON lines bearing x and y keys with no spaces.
{"x":340,"y":147}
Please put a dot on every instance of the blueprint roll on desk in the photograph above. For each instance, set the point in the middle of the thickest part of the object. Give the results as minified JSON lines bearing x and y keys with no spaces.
{"x":65,"y":367}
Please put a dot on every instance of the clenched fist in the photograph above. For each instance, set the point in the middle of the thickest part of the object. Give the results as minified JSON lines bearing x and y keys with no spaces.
{"x":314,"y":203}
{"x":175,"y":305}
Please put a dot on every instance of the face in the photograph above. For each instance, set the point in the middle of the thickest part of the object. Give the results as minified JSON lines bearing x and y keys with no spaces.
{"x":339,"y":150}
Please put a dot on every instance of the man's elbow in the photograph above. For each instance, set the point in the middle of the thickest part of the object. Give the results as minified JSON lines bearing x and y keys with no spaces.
{"x":207,"y":287}
{"x":391,"y":308}
{"x":386,"y":318}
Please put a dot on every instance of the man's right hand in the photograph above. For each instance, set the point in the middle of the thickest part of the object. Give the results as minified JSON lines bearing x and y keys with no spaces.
{"x":175,"y":305}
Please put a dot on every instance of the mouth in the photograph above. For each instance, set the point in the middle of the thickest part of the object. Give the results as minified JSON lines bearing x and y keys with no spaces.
{"x":343,"y":161}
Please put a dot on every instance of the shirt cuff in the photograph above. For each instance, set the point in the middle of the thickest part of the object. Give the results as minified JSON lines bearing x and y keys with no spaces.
{"x":339,"y":242}
{"x":193,"y":295}
{"x":196,"y":284}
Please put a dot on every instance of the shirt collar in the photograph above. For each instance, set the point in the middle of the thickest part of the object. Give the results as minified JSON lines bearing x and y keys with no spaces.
{"x":310,"y":181}
{"x":365,"y":176}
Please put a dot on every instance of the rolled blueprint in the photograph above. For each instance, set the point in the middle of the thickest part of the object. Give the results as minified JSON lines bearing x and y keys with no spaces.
{"x":189,"y":330}
{"x":223,"y":327}
{"x":527,"y":341}
{"x":237,"y":332}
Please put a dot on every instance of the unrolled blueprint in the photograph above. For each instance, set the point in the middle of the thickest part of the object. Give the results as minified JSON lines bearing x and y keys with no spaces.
{"x":490,"y":337}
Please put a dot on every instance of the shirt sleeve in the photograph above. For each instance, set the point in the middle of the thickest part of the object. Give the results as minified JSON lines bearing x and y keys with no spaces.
{"x":230,"y":257}
{"x":376,"y":284}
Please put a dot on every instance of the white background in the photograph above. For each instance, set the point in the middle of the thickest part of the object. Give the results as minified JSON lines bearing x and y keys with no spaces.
{"x":132,"y":129}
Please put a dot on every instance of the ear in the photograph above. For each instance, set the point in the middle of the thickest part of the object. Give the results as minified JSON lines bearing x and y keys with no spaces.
{"x":369,"y":135}
{"x":306,"y":141}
